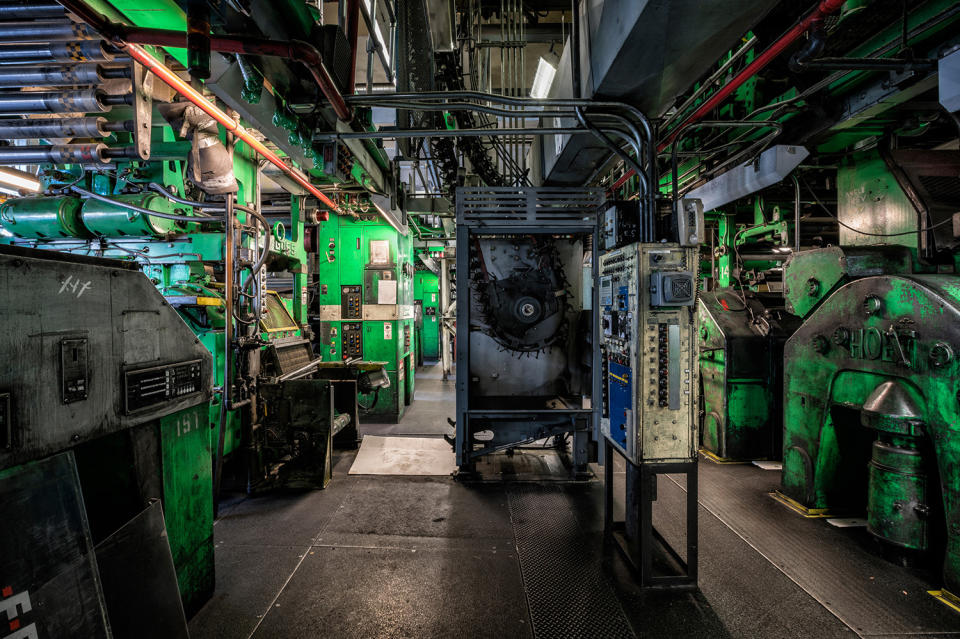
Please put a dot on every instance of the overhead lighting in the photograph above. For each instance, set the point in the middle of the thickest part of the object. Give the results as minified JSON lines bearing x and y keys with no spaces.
{"x":16,"y":181}
{"x":543,"y":79}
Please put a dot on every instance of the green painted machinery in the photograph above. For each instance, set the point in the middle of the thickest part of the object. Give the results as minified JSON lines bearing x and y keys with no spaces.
{"x":44,"y":217}
{"x":115,"y":377}
{"x":113,"y":220}
{"x":426,"y":295}
{"x":741,"y":355}
{"x":871,"y":412}
{"x":364,"y":305}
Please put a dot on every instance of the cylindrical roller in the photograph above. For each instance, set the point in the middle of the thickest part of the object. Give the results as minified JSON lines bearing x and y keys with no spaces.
{"x":110,"y":220}
{"x":53,"y":154}
{"x":44,"y":128}
{"x":77,"y":51}
{"x":31,"y":10}
{"x":14,"y":77}
{"x":47,"y":31}
{"x":75,"y":101}
{"x":43,"y":217}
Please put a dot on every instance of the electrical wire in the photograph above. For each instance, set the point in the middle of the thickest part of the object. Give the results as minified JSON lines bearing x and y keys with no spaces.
{"x":198,"y":219}
{"x":855,"y":230}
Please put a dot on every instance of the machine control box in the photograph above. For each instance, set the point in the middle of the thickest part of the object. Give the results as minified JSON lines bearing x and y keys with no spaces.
{"x":648,"y":347}
{"x":145,"y":388}
{"x":621,"y":224}
{"x":351,"y":302}
{"x":352,"y":340}
{"x":74,"y":380}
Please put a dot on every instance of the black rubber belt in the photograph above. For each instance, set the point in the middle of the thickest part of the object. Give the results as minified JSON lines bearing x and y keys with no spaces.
{"x":568,"y":594}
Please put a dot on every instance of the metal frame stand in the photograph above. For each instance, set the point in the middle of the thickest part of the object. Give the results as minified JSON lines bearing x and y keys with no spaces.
{"x":635,"y":537}
{"x":522,"y":211}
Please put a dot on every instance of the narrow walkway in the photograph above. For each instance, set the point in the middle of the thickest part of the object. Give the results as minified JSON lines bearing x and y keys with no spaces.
{"x":379,"y":556}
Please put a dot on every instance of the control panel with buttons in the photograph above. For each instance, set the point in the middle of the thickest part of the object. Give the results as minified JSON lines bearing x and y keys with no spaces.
{"x":351,"y":302}
{"x":352,"y":336}
{"x":648,"y":348}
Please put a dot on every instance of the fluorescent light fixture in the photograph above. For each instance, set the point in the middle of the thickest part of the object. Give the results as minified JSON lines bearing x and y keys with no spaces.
{"x":773,"y":165}
{"x":14,"y":180}
{"x":543,"y":79}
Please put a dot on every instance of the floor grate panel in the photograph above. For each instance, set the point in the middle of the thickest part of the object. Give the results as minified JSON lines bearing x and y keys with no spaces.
{"x":568,"y":594}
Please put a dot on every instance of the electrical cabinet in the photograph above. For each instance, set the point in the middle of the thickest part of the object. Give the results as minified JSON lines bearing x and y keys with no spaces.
{"x":427,"y":292}
{"x":363,"y":308}
{"x":648,"y":338}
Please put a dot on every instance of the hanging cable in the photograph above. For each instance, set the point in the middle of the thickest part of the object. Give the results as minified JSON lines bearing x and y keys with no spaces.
{"x":197,"y":219}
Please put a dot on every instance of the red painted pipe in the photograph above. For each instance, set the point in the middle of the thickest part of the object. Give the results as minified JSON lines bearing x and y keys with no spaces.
{"x":302,"y":52}
{"x":353,"y":34}
{"x":825,"y":8}
{"x":182,"y":87}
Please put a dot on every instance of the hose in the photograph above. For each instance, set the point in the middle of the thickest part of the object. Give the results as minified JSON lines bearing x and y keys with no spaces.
{"x":208,"y":206}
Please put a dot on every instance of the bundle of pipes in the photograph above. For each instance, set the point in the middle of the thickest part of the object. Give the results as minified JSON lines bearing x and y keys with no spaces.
{"x":65,"y":63}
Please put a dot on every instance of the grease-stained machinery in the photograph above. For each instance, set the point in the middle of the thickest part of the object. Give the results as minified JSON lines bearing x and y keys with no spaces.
{"x":364,"y":307}
{"x":164,"y":245}
{"x":105,"y":413}
{"x":829,"y":281}
{"x":648,"y":350}
{"x":870,"y":395}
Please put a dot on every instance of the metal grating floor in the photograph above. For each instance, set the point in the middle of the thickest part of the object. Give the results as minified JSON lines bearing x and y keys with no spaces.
{"x":568,"y":594}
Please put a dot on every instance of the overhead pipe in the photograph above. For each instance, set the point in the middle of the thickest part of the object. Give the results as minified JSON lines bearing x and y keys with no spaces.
{"x":74,"y":101}
{"x":353,"y":35}
{"x":303,"y":52}
{"x":641,"y":120}
{"x":45,"y":128}
{"x":824,"y":9}
{"x":54,"y":154}
{"x":176,"y":38}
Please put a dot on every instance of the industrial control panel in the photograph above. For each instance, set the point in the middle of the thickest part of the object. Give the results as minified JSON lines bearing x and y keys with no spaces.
{"x":352,"y":340}
{"x":151,"y":386}
{"x":648,"y":341}
{"x":351,"y":302}
{"x":620,"y":224}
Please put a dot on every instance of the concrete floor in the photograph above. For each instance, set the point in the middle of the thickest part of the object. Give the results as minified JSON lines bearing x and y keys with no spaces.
{"x":379,"y":556}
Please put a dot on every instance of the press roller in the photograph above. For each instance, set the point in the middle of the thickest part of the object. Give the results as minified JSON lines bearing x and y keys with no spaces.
{"x":113,"y":220}
{"x":44,"y":217}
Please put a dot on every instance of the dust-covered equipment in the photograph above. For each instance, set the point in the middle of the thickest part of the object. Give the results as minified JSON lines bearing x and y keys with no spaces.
{"x":740,"y":365}
{"x":525,"y":334}
{"x":648,"y":413}
{"x":103,"y":411}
